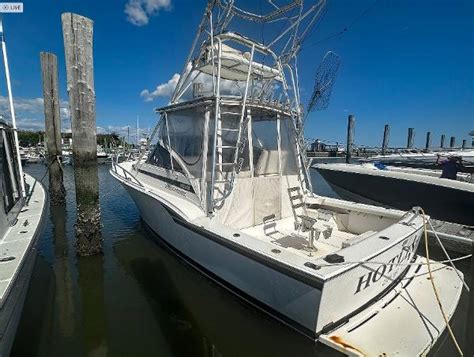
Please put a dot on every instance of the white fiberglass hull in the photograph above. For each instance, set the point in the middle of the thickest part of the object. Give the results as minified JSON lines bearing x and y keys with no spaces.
{"x":287,"y":299}
{"x":302,"y":303}
{"x":19,"y":247}
{"x":11,"y":311}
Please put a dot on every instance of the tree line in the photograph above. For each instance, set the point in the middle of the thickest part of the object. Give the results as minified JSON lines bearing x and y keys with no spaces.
{"x":32,"y":138}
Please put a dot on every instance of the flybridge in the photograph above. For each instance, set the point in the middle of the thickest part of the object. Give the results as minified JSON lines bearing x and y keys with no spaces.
{"x":226,"y":54}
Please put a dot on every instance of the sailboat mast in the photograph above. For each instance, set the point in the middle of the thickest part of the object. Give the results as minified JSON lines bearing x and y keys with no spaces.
{"x":12,"y":109}
{"x":137,"y":130}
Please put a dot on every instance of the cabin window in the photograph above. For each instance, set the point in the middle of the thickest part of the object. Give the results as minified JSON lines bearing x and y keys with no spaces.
{"x":161,"y":156}
{"x":288,"y":147}
{"x":9,"y":166}
{"x":185,"y":129}
{"x":265,"y":145}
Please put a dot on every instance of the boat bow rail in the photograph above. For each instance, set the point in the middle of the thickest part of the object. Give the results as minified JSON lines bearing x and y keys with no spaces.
{"x":127,"y":175}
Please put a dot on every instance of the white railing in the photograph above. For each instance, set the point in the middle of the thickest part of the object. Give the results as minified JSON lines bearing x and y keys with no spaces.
{"x":121,"y":171}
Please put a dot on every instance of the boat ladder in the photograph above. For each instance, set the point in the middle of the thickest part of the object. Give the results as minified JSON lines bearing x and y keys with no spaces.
{"x":230,"y":143}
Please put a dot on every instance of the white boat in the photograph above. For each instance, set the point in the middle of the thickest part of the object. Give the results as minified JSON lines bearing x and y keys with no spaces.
{"x":227,"y":189}
{"x":420,"y":159}
{"x":21,"y":222}
{"x":102,"y":156}
{"x":404,"y":187}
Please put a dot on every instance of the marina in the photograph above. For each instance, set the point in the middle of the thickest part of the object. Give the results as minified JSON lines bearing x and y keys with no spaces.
{"x":175,"y":309}
{"x":222,"y":229}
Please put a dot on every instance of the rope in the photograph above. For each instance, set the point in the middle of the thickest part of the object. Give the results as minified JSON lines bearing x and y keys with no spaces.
{"x":447,"y":256}
{"x":435,"y":290}
{"x":48,"y":164}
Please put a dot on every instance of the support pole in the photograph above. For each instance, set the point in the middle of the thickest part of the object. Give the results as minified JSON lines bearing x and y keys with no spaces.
{"x":78,"y":33}
{"x":386,"y":135}
{"x":443,"y":137}
{"x":411,"y":138}
{"x":350,"y":137}
{"x":452,"y":142}
{"x":49,"y":75}
{"x":428,"y":140}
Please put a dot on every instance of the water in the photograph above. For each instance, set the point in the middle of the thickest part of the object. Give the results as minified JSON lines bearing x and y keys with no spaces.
{"x":138,"y":299}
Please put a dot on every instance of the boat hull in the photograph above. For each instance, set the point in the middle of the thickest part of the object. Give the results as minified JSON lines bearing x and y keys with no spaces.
{"x":22,"y":242}
{"x":289,"y":300}
{"x":440,"y":202}
{"x":11,"y":311}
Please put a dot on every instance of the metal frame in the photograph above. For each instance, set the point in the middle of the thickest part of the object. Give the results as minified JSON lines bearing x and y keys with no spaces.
{"x":260,"y":89}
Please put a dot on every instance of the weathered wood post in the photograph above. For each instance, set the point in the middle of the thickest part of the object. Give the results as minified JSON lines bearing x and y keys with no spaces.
{"x":49,"y":75}
{"x":452,"y":142}
{"x":411,"y":138}
{"x":464,"y":144}
{"x":78,"y":36}
{"x":386,"y":134}
{"x":443,"y":137}
{"x":428,"y":140}
{"x":350,"y":137}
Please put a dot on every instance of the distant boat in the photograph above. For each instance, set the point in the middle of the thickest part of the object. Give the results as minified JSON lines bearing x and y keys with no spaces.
{"x":422,"y":159}
{"x":102,"y":156}
{"x":402,"y":188}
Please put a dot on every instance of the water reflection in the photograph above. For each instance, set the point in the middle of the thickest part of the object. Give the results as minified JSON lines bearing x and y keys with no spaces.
{"x":198,"y":317}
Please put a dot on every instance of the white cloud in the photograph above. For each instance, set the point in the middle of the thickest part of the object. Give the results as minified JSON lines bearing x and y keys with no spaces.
{"x":30,"y":113}
{"x":30,"y":124}
{"x":162,"y":90}
{"x":139,"y":11}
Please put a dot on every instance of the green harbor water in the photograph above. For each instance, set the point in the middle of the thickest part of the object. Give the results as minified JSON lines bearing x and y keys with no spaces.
{"x":137,"y":299}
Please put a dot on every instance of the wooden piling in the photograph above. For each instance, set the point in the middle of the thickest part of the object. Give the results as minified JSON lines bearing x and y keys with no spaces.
{"x":78,"y":37}
{"x":428,"y":140}
{"x":464,"y":144}
{"x":386,"y":134}
{"x":411,"y":138}
{"x":452,"y":142}
{"x":443,"y":137}
{"x":350,"y":137}
{"x":49,"y":75}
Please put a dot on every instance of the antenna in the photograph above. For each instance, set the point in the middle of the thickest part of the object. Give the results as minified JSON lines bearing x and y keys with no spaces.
{"x":324,"y":81}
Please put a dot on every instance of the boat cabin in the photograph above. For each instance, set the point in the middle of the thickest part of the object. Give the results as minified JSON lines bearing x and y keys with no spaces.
{"x":248,"y":178}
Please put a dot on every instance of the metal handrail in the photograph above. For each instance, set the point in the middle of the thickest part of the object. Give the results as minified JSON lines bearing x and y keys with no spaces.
{"x":125,"y":173}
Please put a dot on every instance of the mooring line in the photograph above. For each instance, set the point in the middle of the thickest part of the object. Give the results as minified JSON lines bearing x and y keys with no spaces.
{"x":435,"y":290}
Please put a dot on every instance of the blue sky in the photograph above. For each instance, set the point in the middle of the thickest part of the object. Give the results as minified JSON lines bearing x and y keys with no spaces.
{"x":405,"y":63}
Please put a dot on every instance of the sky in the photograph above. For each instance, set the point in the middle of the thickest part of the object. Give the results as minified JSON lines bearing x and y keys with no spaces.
{"x":405,"y":63}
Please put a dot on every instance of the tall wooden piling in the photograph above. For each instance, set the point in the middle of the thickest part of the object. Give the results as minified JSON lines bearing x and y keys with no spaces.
{"x":350,"y":137}
{"x":428,"y":140}
{"x":78,"y":36}
{"x":49,"y":75}
{"x":441,"y":145}
{"x":411,"y":138}
{"x":464,"y":144}
{"x":386,"y":134}
{"x":452,"y":142}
